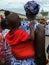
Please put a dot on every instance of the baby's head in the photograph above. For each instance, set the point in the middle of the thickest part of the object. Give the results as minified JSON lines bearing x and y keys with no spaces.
{"x":13,"y":21}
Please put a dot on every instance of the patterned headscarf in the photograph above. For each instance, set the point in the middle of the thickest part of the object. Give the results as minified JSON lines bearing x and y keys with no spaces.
{"x":31,"y":7}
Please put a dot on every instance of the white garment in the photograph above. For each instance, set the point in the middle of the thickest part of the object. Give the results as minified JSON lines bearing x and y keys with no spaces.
{"x":5,"y":31}
{"x":47,"y":30}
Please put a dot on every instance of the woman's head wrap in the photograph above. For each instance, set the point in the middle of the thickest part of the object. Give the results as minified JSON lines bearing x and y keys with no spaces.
{"x":31,"y":7}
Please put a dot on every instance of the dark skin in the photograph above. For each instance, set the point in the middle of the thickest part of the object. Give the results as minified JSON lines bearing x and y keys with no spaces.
{"x":14,"y":23}
{"x":31,"y":18}
{"x":39,"y":38}
{"x":32,"y":30}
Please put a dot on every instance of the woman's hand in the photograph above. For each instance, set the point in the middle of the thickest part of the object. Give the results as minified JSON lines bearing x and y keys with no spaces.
{"x":32,"y":24}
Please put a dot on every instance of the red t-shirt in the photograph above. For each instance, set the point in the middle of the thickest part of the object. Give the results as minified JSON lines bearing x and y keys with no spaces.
{"x":21,"y":46}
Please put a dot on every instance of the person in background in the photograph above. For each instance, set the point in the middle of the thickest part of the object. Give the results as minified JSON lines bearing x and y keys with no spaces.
{"x":4,"y":23}
{"x":42,"y":21}
{"x":32,"y":9}
{"x":1,"y":17}
{"x":6,"y":13}
{"x":2,"y":50}
{"x":4,"y":32}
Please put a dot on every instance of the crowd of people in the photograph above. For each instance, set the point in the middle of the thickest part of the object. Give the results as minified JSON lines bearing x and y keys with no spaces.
{"x":23,"y":41}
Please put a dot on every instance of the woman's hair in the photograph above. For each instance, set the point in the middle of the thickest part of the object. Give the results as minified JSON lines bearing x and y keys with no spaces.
{"x":30,"y":16}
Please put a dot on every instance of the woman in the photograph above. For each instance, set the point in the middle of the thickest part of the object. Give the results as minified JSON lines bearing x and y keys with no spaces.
{"x":32,"y":9}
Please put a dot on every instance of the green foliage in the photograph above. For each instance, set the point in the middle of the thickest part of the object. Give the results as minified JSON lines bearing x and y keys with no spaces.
{"x":44,"y":13}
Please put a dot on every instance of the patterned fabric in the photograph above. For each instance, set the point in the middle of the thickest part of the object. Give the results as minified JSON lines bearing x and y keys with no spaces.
{"x":31,"y":7}
{"x":22,"y":62}
{"x":25,"y":26}
{"x":10,"y":59}
{"x":15,"y":61}
{"x":2,"y":50}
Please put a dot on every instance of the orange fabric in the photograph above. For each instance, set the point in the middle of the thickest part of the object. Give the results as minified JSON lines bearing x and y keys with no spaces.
{"x":21,"y":46}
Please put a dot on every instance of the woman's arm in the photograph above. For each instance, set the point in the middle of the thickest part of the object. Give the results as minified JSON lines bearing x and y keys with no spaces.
{"x":40,"y":45}
{"x":32,"y":35}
